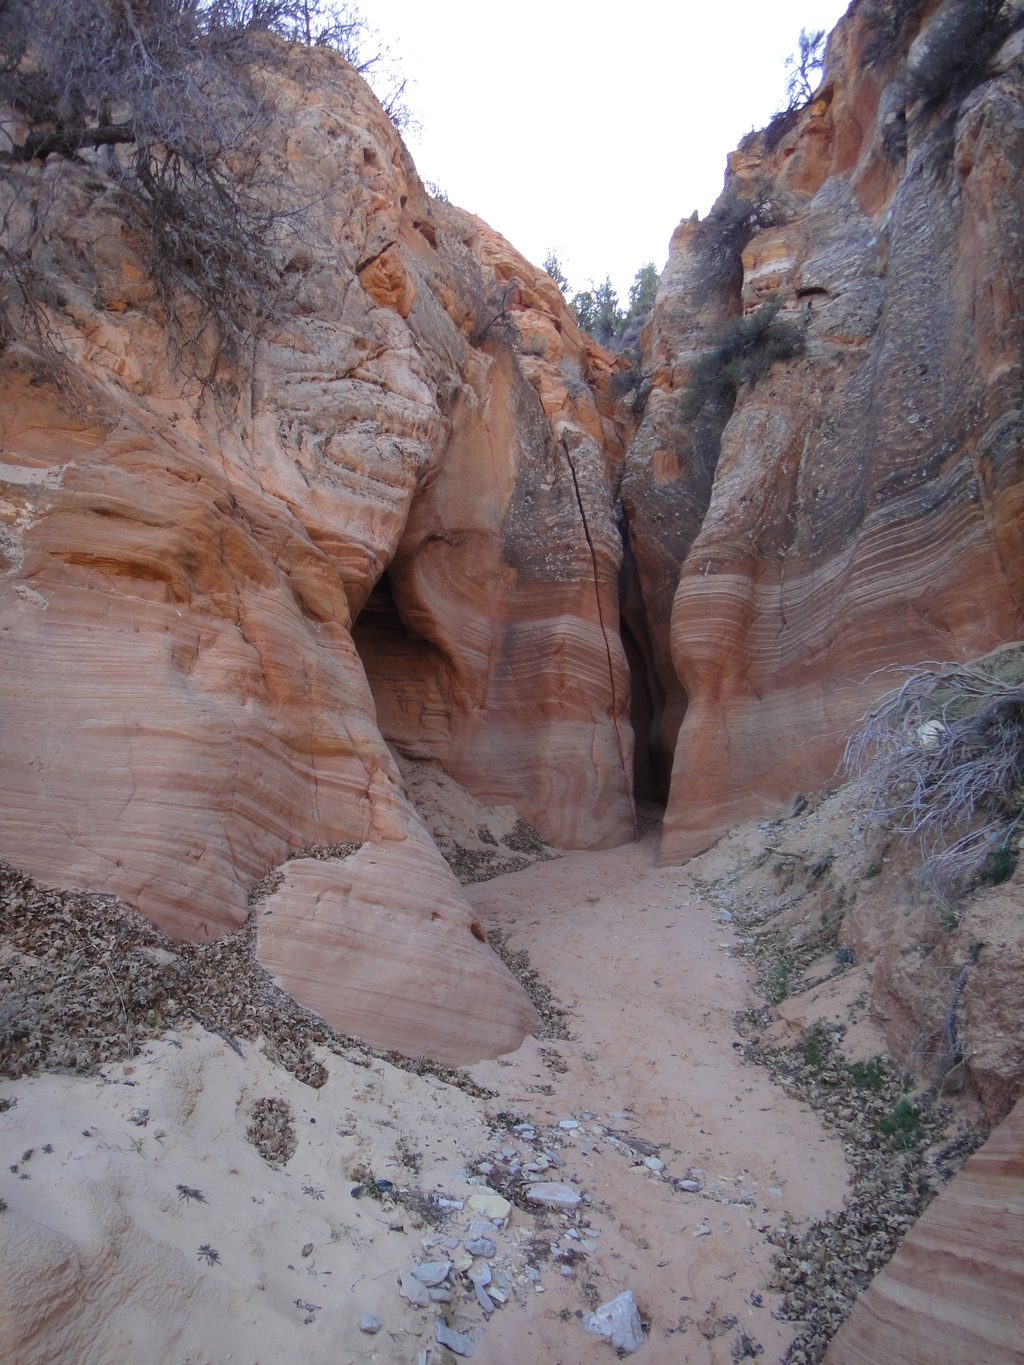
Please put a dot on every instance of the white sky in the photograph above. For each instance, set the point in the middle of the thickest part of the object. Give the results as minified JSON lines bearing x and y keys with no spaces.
{"x":589,"y":128}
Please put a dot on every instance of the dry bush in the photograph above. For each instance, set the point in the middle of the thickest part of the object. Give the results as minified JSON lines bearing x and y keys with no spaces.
{"x":166,"y":103}
{"x":942,"y":758}
{"x":742,"y":349}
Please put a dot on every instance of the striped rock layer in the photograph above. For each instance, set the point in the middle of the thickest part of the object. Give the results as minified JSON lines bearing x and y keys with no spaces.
{"x":952,"y":1294}
{"x":859,"y":506}
{"x":189,"y":543}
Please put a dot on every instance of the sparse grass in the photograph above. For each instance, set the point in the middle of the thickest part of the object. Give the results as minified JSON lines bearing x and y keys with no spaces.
{"x":868,"y":1075}
{"x":902,"y":1125}
{"x":815,"y":1045}
{"x":822,"y":1265}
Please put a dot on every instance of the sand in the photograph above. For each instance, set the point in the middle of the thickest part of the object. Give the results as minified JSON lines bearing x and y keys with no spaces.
{"x":103,"y":1256}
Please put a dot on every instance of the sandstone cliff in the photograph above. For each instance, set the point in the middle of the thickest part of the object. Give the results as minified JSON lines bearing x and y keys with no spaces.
{"x":859,"y":505}
{"x":186,"y":560}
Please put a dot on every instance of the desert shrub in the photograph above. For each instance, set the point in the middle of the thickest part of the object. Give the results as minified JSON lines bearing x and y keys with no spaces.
{"x":742,"y":350}
{"x":742,"y":211}
{"x":956,"y":51}
{"x":942,"y":762}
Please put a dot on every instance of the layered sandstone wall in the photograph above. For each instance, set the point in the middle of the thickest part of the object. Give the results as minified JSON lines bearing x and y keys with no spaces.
{"x":184,"y":560}
{"x":952,"y":1293}
{"x":861,"y":505}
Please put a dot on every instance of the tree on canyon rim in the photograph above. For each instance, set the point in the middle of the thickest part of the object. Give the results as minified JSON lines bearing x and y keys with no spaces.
{"x":597,"y":310}
{"x":166,"y":100}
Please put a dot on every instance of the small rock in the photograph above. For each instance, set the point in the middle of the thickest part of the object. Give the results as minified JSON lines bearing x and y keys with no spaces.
{"x":568,"y":1124}
{"x":307,"y":1250}
{"x":725,"y":917}
{"x":702,"y":1232}
{"x":481,"y":1228}
{"x":619,"y":1322}
{"x":653,"y":1164}
{"x":481,"y":1246}
{"x":455,"y":1341}
{"x":441,"y":1295}
{"x":690,"y":1186}
{"x":483,"y":1298}
{"x":432,"y":1273}
{"x":568,"y":1272}
{"x":369,"y":1324}
{"x":414,"y":1290}
{"x":487,"y":1204}
{"x":140,"y":1117}
{"x":553,"y":1196}
{"x":797,"y":806}
{"x":485,"y":1168}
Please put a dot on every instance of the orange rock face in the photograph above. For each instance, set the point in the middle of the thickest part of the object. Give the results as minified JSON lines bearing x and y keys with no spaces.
{"x":184,"y":707}
{"x":952,"y":1294}
{"x":859,"y":505}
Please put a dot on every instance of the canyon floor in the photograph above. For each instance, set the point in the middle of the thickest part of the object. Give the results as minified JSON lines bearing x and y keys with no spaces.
{"x":145,"y":1221}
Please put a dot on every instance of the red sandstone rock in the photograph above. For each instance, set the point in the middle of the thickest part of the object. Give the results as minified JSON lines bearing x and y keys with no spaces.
{"x":183,"y":704}
{"x":953,"y":1292}
{"x":863,"y":509}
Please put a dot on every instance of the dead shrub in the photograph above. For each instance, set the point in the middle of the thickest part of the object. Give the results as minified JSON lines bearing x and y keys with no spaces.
{"x":942,"y":761}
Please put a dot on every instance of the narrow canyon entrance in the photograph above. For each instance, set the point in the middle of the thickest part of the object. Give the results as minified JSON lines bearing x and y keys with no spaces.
{"x":651,"y":773}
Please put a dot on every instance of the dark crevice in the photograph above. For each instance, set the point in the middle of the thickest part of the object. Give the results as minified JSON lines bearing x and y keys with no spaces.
{"x":650,"y":773}
{"x":408,"y":676}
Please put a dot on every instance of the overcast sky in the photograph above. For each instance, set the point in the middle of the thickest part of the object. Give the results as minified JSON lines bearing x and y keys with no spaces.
{"x":590,"y":128}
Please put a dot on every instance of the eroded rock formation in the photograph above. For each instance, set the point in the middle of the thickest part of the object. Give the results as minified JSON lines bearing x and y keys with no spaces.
{"x":184,"y":561}
{"x":859,"y":506}
{"x":952,"y":1293}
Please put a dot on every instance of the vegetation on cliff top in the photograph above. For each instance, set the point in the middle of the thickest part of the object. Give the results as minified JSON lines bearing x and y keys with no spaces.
{"x":597,"y":311}
{"x":167,"y":101}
